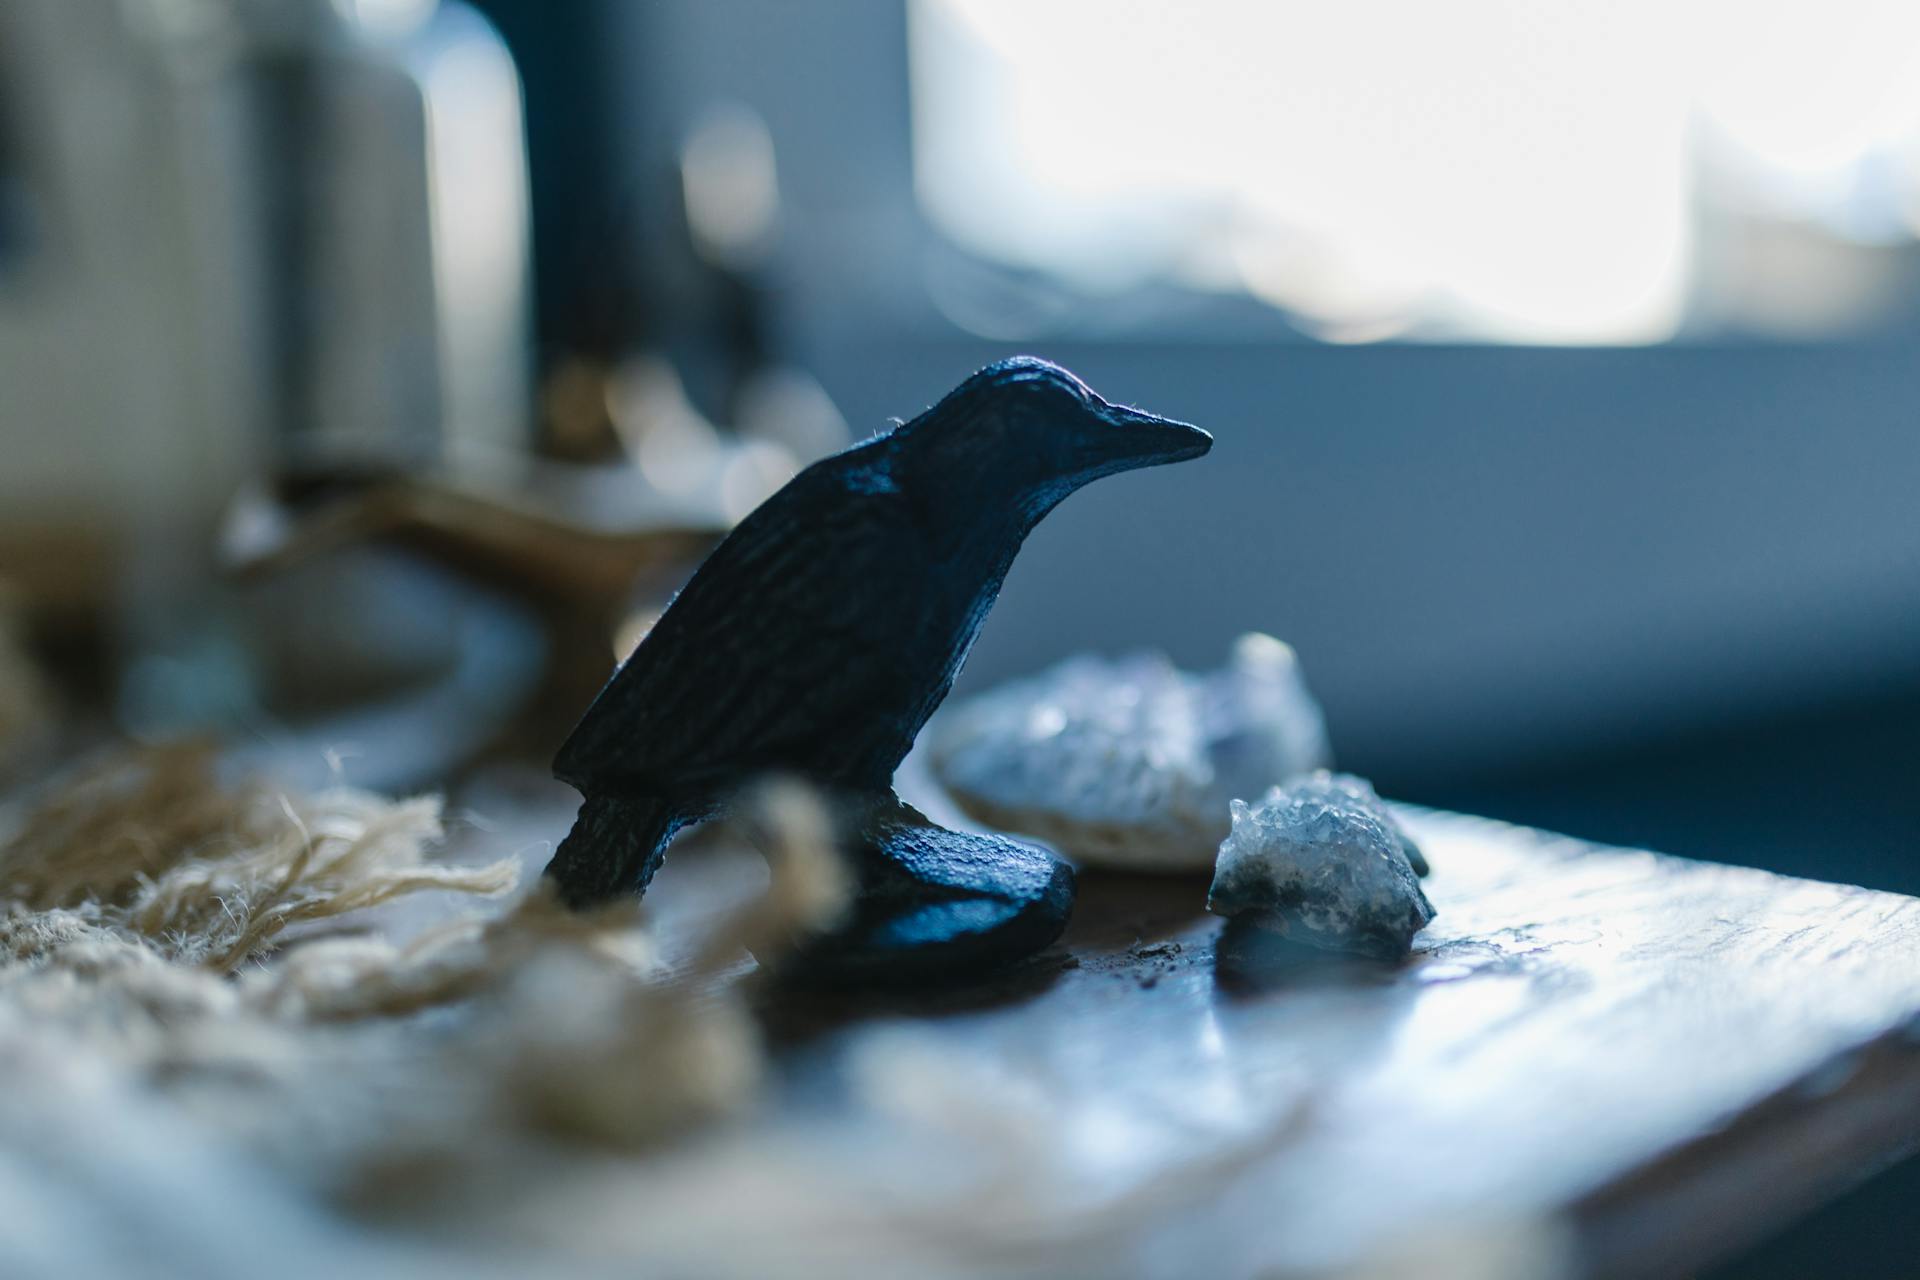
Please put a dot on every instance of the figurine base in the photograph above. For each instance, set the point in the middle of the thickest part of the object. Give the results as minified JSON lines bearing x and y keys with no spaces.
{"x":935,"y":905}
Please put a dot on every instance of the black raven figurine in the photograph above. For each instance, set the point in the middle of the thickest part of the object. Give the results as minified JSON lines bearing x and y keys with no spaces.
{"x":819,"y":636}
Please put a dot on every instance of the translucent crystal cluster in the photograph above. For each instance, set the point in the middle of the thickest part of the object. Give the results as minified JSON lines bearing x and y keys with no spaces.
{"x":1130,"y":762}
{"x":1322,"y":861}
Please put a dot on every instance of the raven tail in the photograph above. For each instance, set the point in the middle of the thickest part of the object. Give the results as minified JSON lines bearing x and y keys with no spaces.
{"x":616,"y":845}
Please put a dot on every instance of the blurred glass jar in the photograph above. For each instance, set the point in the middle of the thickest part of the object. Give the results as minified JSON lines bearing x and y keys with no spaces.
{"x":244,"y":234}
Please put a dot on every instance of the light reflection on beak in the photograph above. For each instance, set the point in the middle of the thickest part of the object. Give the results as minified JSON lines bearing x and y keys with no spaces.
{"x":1147,"y":440}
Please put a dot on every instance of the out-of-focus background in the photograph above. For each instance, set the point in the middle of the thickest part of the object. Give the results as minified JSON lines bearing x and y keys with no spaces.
{"x":355,"y":354}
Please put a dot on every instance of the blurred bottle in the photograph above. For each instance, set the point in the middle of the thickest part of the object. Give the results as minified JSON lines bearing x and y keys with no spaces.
{"x":241,"y":233}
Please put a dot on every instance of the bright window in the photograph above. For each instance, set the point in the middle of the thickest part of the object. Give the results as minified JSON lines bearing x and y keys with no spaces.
{"x":1537,"y":171}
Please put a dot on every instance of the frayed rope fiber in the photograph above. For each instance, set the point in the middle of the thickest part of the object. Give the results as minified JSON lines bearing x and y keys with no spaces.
{"x":146,"y":911}
{"x":150,"y":847}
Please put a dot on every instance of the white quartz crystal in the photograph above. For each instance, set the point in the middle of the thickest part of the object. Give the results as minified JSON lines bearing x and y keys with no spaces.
{"x":1322,"y":861}
{"x":1130,"y":762}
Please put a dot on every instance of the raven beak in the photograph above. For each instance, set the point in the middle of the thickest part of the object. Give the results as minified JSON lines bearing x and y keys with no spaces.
{"x":1144,"y":440}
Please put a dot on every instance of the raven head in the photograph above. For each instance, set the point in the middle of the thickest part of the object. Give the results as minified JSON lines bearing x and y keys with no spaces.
{"x":1027,"y":430}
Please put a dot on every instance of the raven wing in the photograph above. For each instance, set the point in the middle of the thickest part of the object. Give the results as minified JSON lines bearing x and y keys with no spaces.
{"x":795,"y":632}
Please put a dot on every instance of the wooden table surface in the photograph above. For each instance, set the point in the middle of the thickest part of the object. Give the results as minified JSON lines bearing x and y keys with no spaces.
{"x":1597,"y":1061}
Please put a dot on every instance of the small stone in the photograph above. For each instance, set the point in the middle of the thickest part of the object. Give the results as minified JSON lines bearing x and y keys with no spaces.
{"x":1323,"y":862}
{"x":1129,"y":762}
